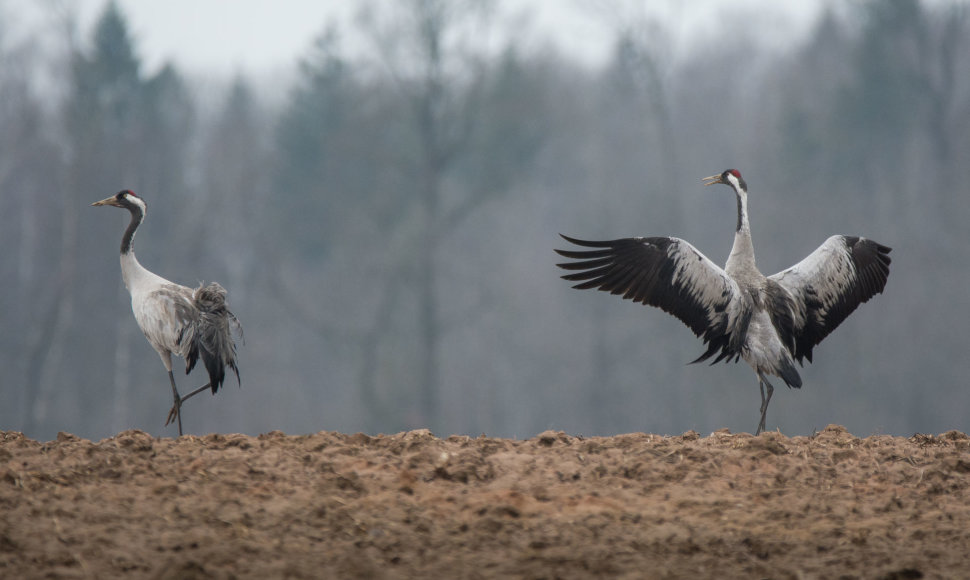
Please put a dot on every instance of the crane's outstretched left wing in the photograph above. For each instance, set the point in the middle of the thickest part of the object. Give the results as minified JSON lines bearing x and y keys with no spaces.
{"x":830,"y":284}
{"x":670,"y":274}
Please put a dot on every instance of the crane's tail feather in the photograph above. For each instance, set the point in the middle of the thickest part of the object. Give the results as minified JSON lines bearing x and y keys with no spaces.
{"x":211,"y":338}
{"x":788,"y":373}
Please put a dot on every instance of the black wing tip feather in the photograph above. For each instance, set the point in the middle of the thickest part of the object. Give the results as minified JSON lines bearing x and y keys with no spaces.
{"x":880,"y":250}
{"x":873,"y":263}
{"x":588,"y":243}
{"x":582,"y":255}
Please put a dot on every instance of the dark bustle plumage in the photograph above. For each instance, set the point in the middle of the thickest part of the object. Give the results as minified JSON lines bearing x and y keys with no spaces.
{"x":211,"y":336}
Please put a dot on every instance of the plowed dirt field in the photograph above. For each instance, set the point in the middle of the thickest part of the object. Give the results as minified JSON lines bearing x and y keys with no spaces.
{"x":413,"y":505}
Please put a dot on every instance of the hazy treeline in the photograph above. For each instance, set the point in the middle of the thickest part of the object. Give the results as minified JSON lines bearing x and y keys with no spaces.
{"x":385,"y":230}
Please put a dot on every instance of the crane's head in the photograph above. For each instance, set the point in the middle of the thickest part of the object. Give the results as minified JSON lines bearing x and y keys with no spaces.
{"x":125,"y":198}
{"x":730,"y":177}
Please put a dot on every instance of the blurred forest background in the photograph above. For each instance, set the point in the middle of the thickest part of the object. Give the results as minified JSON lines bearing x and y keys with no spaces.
{"x":385,"y":222}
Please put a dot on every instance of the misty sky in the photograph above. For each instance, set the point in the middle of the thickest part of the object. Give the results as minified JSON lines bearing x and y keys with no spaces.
{"x":261,"y":36}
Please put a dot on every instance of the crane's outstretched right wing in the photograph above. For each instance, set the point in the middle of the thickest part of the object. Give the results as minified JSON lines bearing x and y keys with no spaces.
{"x":673,"y":275}
{"x":830,"y":284}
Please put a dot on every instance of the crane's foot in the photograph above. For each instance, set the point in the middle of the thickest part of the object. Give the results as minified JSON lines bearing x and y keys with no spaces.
{"x":175,"y":414}
{"x":176,"y":411}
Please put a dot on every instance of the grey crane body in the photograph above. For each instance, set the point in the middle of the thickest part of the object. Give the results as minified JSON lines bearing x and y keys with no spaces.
{"x":177,"y":320}
{"x":768,"y":321}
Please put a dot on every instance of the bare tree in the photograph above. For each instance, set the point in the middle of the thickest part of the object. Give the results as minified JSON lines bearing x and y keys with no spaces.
{"x":423,"y":46}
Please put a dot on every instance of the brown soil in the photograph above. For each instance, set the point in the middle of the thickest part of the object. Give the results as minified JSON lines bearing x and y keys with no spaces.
{"x":415,"y":506}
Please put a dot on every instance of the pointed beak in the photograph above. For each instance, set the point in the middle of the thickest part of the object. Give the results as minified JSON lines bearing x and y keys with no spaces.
{"x":107,"y":201}
{"x":712,"y":180}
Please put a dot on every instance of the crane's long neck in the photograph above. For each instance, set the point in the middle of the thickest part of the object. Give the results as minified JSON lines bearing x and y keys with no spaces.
{"x":130,"y":267}
{"x":127,"y":241}
{"x":742,"y":252}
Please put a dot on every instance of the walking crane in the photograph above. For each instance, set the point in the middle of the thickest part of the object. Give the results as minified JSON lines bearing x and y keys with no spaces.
{"x":175,"y":319}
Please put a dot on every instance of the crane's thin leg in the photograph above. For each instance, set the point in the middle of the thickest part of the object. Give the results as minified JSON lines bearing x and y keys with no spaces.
{"x":178,"y":404}
{"x":174,"y":411}
{"x":763,"y":384}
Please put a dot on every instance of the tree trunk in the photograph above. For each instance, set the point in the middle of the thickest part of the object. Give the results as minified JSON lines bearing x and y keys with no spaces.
{"x":427,"y":306}
{"x":45,"y":359}
{"x":120,"y":414}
